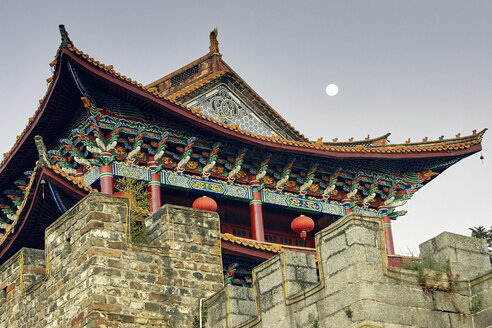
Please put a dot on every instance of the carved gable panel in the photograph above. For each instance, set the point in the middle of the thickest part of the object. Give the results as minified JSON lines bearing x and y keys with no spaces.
{"x":222,"y":104}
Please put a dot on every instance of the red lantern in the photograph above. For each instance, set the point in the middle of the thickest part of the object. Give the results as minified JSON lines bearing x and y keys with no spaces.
{"x":205,"y":203}
{"x":302,"y":224}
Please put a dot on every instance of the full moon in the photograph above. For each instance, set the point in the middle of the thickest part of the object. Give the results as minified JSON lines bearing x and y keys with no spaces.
{"x":331,"y":89}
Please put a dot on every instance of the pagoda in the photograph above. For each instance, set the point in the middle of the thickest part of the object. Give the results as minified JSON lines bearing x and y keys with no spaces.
{"x":202,"y":131}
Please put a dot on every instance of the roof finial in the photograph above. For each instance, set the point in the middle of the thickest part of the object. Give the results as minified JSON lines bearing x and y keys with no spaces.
{"x":214,"y":44}
{"x":64,"y":36}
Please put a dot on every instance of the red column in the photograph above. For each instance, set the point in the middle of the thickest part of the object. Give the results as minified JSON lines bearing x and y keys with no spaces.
{"x":388,"y":234}
{"x":79,"y":171}
{"x":346,"y":201}
{"x":256,"y":213}
{"x":154,"y":187}
{"x":106,"y":179}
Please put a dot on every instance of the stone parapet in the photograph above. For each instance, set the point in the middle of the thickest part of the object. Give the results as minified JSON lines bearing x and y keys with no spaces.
{"x":356,"y":287}
{"x":91,"y":274}
{"x":467,"y":256}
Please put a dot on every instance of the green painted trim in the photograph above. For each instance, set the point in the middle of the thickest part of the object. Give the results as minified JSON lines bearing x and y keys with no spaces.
{"x":154,"y":183}
{"x":107,"y":174}
{"x":255,"y":202}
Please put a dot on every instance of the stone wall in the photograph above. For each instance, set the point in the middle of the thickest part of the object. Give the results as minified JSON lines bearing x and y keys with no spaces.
{"x":356,"y":288}
{"x":91,"y":274}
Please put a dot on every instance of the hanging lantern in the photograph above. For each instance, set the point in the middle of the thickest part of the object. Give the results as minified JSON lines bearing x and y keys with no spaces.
{"x":205,"y":203}
{"x":302,"y":224}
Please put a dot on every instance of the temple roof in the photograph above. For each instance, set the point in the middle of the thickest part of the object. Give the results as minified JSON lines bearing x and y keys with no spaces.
{"x":369,"y":148}
{"x":377,"y":146}
{"x":264,"y":246}
{"x":63,"y":96}
{"x":209,"y":69}
{"x":258,"y":249}
{"x":42,"y":175}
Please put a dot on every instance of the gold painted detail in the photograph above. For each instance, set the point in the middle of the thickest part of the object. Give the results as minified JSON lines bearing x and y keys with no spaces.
{"x":167,"y":160}
{"x":192,"y":165}
{"x":290,"y":184}
{"x":196,"y":184}
{"x":296,"y":202}
{"x":219,"y":169}
{"x":314,"y":187}
{"x":120,"y":150}
{"x":241,"y":175}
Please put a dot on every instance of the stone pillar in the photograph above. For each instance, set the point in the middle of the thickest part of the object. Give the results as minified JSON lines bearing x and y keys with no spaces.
{"x":388,"y":234}
{"x":154,"y":187}
{"x":256,"y":213}
{"x":106,"y":177}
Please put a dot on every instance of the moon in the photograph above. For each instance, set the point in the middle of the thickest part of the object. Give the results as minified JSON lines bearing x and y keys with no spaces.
{"x":331,"y":90}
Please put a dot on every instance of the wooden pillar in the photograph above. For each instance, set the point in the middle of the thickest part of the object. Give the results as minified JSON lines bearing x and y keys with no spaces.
{"x":154,"y":187}
{"x":106,"y":179}
{"x":79,"y":172}
{"x":256,"y":213}
{"x":388,"y":234}
{"x":346,"y":201}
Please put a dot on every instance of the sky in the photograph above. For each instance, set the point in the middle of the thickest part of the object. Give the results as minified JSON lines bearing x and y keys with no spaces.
{"x":413,"y":68}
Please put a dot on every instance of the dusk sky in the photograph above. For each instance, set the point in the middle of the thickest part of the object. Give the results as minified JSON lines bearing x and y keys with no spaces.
{"x":413,"y":68}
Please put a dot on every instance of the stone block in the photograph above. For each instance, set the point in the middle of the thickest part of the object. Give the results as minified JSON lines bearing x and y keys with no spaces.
{"x":483,"y":318}
{"x":93,"y":268}
{"x":99,"y":270}
{"x":468,"y":257}
{"x":332,"y":245}
{"x":360,"y":235}
{"x":306,"y":317}
{"x":268,"y":276}
{"x":450,"y":302}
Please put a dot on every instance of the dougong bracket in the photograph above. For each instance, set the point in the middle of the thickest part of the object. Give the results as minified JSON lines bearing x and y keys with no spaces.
{"x":161,"y":147}
{"x":212,"y":160}
{"x":284,"y":177}
{"x":354,"y":188}
{"x":308,"y":180}
{"x":186,"y":155}
{"x":332,"y":183}
{"x":238,"y":163}
{"x":373,"y":189}
{"x":263,"y":168}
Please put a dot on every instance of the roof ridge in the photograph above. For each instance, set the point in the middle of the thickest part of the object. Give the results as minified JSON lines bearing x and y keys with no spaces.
{"x":32,"y":118}
{"x":367,"y":140}
{"x":266,"y":246}
{"x":239,"y":79}
{"x":77,"y":181}
{"x":179,"y":70}
{"x":472,"y":137}
{"x":197,"y":84}
{"x":263,"y":245}
{"x":213,"y":51}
